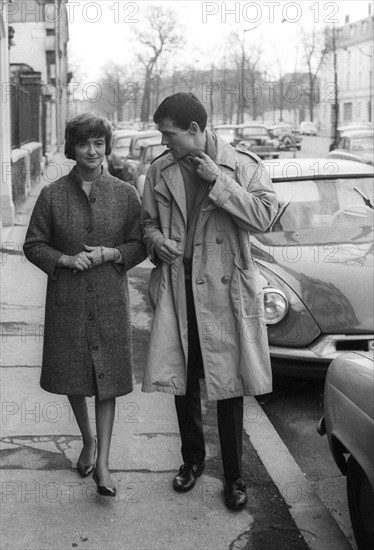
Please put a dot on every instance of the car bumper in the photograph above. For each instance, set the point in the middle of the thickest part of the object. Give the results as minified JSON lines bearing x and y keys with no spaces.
{"x":315,"y":359}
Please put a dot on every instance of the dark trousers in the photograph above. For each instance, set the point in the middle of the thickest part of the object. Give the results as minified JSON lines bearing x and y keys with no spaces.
{"x":229,"y":411}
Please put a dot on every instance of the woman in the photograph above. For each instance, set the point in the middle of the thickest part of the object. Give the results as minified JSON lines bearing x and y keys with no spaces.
{"x":85,"y":234}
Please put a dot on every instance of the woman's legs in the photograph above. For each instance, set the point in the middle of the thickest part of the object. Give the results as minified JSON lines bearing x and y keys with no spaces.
{"x":79,"y":406}
{"x":104,"y":427}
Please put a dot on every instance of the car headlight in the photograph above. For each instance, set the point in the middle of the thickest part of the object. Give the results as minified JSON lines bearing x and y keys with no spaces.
{"x":275,"y":304}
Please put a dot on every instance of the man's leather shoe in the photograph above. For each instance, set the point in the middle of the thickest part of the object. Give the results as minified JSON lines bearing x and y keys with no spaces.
{"x":186,"y":477}
{"x":235,"y":494}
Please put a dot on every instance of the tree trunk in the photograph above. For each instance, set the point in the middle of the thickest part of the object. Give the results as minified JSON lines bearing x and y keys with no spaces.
{"x":146,"y":101}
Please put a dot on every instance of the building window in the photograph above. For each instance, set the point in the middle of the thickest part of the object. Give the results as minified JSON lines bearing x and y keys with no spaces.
{"x":347,"y":112}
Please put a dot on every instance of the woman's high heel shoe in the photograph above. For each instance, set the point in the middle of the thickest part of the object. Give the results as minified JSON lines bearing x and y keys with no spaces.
{"x":85,"y":471}
{"x":103,"y":490}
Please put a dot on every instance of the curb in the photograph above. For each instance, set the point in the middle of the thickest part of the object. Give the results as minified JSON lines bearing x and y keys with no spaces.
{"x":314,"y":521}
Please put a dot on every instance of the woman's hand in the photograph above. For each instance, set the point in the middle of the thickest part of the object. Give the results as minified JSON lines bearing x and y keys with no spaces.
{"x":101,"y":254}
{"x":79,"y":262}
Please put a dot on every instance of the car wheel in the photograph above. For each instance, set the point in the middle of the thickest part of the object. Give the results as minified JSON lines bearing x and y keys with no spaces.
{"x":361,"y":505}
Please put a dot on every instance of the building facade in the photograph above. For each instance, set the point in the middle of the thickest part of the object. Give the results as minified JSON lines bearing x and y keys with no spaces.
{"x":44,"y":25}
{"x":354,"y":69}
{"x":7,"y":206}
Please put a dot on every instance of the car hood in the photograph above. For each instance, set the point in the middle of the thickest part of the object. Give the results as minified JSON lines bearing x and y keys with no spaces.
{"x":335,"y":281}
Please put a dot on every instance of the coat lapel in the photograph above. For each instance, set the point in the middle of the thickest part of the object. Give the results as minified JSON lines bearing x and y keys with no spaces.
{"x":173,"y":179}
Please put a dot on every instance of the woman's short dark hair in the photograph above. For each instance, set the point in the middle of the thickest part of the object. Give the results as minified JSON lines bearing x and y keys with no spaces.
{"x":182,"y":108}
{"x":83,"y":127}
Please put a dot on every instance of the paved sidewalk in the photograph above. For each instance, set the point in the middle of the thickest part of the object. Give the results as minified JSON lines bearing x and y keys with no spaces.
{"x":46,"y":505}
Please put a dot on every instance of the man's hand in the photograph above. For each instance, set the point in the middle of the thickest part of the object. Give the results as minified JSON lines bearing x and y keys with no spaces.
{"x":167,"y":250}
{"x":207,"y":169}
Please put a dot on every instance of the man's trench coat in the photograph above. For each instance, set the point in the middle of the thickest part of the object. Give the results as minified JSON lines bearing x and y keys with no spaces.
{"x":226,"y":284}
{"x":87,"y":332}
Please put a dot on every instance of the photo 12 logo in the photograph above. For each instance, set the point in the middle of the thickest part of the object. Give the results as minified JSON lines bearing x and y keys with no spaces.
{"x":91,"y":12}
{"x":272,"y":12}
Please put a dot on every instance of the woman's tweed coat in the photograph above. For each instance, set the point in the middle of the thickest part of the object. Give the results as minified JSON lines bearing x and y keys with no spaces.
{"x":87,"y":334}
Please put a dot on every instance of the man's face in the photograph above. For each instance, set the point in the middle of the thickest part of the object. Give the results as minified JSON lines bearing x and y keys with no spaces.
{"x":180,"y":142}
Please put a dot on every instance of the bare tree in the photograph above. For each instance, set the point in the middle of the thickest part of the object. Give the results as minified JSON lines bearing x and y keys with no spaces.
{"x":118,"y":92}
{"x":314,"y":46}
{"x":246,"y":61}
{"x":161,"y":36}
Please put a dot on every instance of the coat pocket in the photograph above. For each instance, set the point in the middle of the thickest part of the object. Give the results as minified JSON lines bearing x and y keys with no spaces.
{"x":64,"y":289}
{"x":246,"y":292}
{"x":161,"y":197}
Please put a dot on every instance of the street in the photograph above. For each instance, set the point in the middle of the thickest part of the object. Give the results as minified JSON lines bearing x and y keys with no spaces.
{"x":294,"y":408}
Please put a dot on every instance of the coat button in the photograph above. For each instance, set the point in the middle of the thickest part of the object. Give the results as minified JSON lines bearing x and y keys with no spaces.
{"x":219,"y":240}
{"x":225,"y":279}
{"x":88,"y":229}
{"x":90,"y":317}
{"x":96,"y":348}
{"x":92,"y":199}
{"x":101,"y":376}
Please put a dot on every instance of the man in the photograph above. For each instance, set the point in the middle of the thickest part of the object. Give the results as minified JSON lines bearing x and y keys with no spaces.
{"x":201,"y":200}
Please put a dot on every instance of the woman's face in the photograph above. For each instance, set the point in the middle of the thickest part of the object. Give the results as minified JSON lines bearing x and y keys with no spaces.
{"x":90,"y":154}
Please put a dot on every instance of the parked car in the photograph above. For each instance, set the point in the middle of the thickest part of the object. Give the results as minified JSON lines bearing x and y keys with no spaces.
{"x":287,"y":137}
{"x":150,"y":149}
{"x":256,"y":137}
{"x":131,"y":163}
{"x":121,"y":140}
{"x":316,"y":263}
{"x":355,"y":145}
{"x":124,"y":125}
{"x":225,"y":131}
{"x":308,"y":128}
{"x":348,"y":128}
{"x":348,"y":422}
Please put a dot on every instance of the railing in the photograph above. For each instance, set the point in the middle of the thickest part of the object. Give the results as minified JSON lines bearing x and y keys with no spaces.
{"x":25,"y":101}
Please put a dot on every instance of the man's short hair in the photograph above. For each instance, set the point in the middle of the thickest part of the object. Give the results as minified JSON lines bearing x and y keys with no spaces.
{"x":83,"y":127}
{"x":182,"y":108}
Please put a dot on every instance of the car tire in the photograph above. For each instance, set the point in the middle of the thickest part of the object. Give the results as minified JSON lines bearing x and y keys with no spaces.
{"x":361,"y":505}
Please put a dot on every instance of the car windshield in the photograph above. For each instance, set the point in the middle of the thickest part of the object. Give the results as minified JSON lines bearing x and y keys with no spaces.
{"x":362,"y":144}
{"x":322,"y":211}
{"x":122,"y":142}
{"x":253,"y":131}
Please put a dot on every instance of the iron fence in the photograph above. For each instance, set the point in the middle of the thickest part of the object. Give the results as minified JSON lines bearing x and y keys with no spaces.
{"x":25,"y":98}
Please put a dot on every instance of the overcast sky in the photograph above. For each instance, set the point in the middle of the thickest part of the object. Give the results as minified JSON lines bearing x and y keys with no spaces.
{"x":100,"y":31}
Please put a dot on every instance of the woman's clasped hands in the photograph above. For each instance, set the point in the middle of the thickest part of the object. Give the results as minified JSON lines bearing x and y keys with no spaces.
{"x":92,"y":256}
